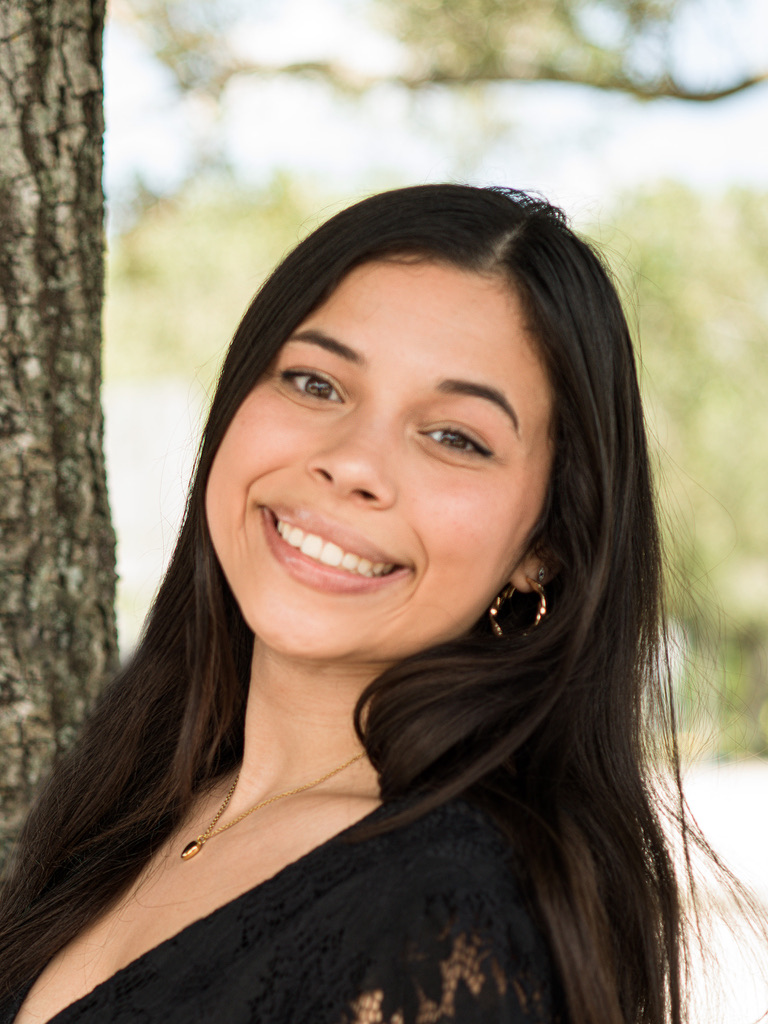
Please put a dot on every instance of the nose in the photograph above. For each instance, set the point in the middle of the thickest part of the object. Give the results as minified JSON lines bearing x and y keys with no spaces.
{"x":357,"y":464}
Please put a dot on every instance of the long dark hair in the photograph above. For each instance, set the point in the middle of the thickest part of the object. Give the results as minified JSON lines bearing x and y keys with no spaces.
{"x":548,"y":729}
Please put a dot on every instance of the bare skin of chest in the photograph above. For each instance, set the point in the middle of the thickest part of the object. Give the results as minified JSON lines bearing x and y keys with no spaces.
{"x":171,"y":894}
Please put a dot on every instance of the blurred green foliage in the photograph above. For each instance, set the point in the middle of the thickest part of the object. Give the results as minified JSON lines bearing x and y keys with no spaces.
{"x":696,"y":269}
{"x":559,"y":40}
{"x":617,"y":45}
{"x":182,"y":275}
{"x":694,"y":273}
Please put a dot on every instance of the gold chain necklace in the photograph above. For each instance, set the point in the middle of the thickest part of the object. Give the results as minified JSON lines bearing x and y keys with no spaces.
{"x":193,"y":848}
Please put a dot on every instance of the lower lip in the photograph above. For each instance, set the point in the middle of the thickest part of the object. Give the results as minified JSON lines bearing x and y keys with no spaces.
{"x":318,"y":576}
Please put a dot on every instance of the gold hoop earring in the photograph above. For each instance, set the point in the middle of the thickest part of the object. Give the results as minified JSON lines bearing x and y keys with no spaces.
{"x":537,"y":586}
{"x":493,"y":611}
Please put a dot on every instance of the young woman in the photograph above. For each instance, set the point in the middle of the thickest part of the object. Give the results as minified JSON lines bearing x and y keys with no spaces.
{"x":383,"y":753}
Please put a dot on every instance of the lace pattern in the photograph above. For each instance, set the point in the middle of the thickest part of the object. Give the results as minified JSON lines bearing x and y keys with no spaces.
{"x":454,"y":976}
{"x":464,"y":964}
{"x":424,"y":925}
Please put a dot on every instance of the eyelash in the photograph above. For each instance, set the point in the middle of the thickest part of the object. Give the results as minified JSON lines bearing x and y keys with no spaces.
{"x":293,"y":377}
{"x":468,"y":445}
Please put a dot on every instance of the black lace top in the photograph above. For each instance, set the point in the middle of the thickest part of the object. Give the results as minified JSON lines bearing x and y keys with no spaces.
{"x":423,"y":925}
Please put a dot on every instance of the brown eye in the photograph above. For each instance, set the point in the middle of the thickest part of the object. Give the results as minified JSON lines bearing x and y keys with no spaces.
{"x":456,"y":439}
{"x":312,"y":384}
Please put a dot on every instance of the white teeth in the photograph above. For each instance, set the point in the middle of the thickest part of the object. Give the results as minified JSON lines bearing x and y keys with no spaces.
{"x":329,"y":553}
{"x":312,"y":545}
{"x":350,"y":561}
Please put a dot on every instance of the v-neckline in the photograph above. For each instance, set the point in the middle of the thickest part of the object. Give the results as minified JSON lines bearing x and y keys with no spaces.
{"x":256,"y":891}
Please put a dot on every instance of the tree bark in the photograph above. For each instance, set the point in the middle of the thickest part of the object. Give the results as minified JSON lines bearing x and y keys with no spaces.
{"x":57,"y":562}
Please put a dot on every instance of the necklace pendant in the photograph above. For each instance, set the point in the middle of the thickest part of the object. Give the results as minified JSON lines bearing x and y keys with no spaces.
{"x":191,"y":849}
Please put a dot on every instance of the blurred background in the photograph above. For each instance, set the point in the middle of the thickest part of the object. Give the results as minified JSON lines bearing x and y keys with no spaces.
{"x":234,"y":128}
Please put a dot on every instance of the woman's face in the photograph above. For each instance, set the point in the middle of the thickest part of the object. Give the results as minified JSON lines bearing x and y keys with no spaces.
{"x":376,"y":489}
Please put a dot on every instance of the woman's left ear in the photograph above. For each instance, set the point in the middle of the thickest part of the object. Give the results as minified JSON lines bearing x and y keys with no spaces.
{"x":535,"y":568}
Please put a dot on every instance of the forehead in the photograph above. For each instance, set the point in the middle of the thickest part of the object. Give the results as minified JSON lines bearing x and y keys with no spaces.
{"x":428,"y":319}
{"x":437,"y":290}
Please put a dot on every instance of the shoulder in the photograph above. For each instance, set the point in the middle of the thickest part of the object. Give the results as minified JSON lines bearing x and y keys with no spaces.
{"x":446,"y":927}
{"x":454,"y":850}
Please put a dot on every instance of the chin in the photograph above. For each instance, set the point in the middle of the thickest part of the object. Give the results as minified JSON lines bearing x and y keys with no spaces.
{"x":295,"y":642}
{"x":344,"y":639}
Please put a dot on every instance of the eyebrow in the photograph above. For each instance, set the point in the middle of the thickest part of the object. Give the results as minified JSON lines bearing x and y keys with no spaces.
{"x":466,"y":387}
{"x":446,"y":387}
{"x":330,"y":344}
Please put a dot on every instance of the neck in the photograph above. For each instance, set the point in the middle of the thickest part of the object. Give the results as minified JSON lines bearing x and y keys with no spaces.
{"x":299,"y":725}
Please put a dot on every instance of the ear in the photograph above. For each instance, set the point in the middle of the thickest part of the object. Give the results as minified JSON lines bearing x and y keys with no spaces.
{"x":530,"y":568}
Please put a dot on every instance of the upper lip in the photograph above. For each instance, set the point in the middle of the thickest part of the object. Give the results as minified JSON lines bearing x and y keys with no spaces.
{"x":347,"y":538}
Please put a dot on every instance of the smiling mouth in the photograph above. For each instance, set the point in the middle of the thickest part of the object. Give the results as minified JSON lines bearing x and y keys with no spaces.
{"x":327,"y":553}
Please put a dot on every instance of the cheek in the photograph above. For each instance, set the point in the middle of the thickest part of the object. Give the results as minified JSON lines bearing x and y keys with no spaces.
{"x":234,"y":466}
{"x":477,"y":530}
{"x":219,"y":502}
{"x":255,"y":443}
{"x":473,"y":532}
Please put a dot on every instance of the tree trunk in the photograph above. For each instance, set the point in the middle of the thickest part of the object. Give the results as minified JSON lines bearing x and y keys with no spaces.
{"x":57,"y":564}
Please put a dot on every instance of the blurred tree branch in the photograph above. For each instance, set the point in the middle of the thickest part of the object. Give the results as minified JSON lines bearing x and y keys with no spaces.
{"x":620,"y":46}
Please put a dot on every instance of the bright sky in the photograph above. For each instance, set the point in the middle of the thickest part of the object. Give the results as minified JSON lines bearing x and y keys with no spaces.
{"x":574,"y":144}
